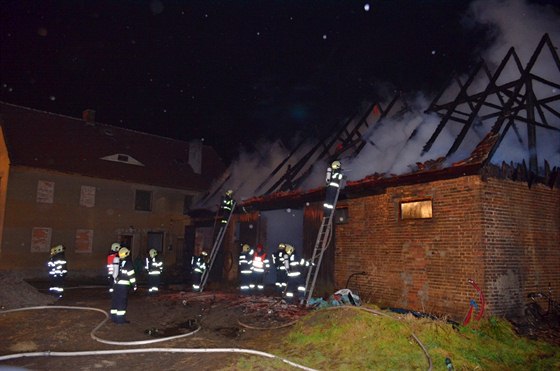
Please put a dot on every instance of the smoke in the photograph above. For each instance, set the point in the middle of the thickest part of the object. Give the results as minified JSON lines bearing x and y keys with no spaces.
{"x":395,"y":145}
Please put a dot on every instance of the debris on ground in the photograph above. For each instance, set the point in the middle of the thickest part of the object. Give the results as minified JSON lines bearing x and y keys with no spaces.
{"x":339,"y":298}
{"x":16,"y":293}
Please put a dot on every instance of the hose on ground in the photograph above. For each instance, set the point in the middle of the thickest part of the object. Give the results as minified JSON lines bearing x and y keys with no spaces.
{"x":140,"y":342}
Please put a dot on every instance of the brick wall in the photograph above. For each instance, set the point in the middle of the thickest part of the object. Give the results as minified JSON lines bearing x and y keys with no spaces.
{"x":522,"y":236}
{"x":425,"y":264}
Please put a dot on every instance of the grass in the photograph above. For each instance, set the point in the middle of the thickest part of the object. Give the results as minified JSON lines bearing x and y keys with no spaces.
{"x":350,"y":339}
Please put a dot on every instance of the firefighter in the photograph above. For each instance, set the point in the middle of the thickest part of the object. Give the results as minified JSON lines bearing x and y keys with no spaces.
{"x":125,"y":279}
{"x":154,"y":267}
{"x":245,"y":261}
{"x":113,"y":255}
{"x":226,"y":206}
{"x":260,"y":266}
{"x":333,"y":180}
{"x":296,"y":269}
{"x":278,"y":259}
{"x":57,"y":270}
{"x":198,"y":266}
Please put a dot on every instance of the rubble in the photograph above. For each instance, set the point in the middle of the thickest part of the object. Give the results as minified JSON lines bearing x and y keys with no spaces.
{"x":16,"y":293}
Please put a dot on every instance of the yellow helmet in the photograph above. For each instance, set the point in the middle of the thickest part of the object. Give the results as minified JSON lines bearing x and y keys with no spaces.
{"x":124,"y":252}
{"x":281,"y":246}
{"x":57,"y":249}
{"x":246,"y":248}
{"x":153,"y":253}
{"x":204,"y":253}
{"x":115,"y":247}
{"x":289,"y":249}
{"x":335,"y":165}
{"x":229,"y":192}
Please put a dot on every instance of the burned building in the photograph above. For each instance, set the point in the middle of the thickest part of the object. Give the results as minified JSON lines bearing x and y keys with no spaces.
{"x":475,"y":196}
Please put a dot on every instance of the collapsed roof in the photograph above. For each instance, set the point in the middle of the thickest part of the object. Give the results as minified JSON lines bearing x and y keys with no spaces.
{"x":505,"y":122}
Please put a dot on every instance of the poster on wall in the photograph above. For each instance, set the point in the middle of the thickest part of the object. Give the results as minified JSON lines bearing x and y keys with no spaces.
{"x":87,"y":196}
{"x":41,"y":239}
{"x":84,"y":240}
{"x":45,"y":192}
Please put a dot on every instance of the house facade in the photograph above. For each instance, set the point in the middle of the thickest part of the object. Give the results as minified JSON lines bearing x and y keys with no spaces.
{"x":86,"y":185}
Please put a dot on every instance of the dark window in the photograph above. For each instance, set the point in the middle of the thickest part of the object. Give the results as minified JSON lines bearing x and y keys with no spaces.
{"x":340,"y":215}
{"x":187,"y":203}
{"x":143,"y":201}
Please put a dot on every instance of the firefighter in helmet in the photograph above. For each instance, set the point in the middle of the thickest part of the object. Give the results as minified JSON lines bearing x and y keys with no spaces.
{"x":226,"y":206}
{"x":296,"y":269}
{"x":333,"y":181}
{"x":198,"y":267}
{"x":245,"y":261}
{"x":123,"y":282}
{"x":260,"y":265}
{"x":112,"y":261}
{"x":154,"y":267}
{"x":57,"y":270}
{"x":278,"y":260}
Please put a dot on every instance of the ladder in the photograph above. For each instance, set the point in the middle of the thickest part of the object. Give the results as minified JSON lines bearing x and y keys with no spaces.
{"x":321,"y":244}
{"x":215,"y":248}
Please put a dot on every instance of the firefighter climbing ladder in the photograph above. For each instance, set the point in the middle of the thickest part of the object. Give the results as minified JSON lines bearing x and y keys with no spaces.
{"x":321,"y":244}
{"x":215,"y":248}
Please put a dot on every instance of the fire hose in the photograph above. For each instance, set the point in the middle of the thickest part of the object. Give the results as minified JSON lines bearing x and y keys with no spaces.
{"x":139,"y":342}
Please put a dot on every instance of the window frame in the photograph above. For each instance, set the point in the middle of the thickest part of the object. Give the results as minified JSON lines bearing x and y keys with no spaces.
{"x":413,"y":201}
{"x":139,"y":204}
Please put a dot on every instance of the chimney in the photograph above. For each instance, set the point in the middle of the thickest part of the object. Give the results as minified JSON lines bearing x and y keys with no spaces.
{"x":195,"y":155}
{"x":88,"y":116}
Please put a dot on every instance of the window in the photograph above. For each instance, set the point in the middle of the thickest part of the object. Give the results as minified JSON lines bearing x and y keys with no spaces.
{"x":340,"y":215}
{"x":143,"y":201}
{"x":187,"y":203}
{"x":416,"y":209}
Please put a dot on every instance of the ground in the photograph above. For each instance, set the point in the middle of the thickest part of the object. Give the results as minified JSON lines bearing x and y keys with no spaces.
{"x":226,"y":320}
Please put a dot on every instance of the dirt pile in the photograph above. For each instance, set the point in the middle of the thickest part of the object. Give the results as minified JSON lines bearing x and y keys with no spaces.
{"x":16,"y":293}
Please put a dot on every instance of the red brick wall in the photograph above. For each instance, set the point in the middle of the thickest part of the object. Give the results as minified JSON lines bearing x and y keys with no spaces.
{"x":424,"y":264}
{"x":522,"y":236}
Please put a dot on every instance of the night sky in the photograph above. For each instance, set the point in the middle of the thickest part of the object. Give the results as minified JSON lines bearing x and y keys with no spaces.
{"x":231,"y":72}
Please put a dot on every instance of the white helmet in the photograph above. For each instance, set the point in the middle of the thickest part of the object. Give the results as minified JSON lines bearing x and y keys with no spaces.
{"x":115,"y":247}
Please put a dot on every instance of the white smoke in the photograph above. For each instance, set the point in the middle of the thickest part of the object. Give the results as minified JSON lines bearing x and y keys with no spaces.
{"x":395,"y":145}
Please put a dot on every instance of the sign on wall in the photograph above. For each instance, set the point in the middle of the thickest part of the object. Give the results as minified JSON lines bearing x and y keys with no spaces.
{"x":45,"y":192}
{"x":87,"y":196}
{"x":41,"y":239}
{"x":84,"y":240}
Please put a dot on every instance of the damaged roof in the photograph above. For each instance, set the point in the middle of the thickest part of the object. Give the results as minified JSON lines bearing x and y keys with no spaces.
{"x":48,"y":141}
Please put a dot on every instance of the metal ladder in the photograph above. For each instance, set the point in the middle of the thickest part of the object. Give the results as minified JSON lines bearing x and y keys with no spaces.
{"x":215,"y":248}
{"x":321,"y":244}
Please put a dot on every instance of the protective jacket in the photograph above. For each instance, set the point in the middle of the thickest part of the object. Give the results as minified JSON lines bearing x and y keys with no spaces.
{"x":57,"y":271}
